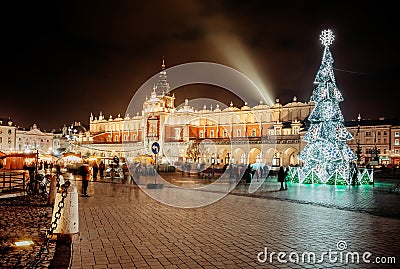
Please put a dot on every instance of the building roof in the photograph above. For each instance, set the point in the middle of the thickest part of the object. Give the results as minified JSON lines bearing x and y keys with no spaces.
{"x":245,"y":107}
{"x":372,"y":122}
{"x":6,"y":122}
{"x":34,"y":132}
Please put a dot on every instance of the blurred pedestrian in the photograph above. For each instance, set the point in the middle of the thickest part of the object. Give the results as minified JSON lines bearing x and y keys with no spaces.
{"x":125,"y":172}
{"x":286,"y":173}
{"x":95,"y":170}
{"x":248,"y":175}
{"x":102,"y":167}
{"x":281,"y":177}
{"x":84,"y":173}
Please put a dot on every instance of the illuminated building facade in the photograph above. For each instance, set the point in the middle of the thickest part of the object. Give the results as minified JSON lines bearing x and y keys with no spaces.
{"x":378,"y":140}
{"x":17,"y":139}
{"x":217,"y":135}
{"x":7,"y":135}
{"x":222,"y":134}
{"x":33,"y":140}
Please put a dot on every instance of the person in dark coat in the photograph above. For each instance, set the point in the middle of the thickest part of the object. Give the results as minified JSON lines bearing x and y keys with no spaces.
{"x":286,"y":173}
{"x":281,"y":177}
{"x":125,"y":171}
{"x":95,"y":170}
{"x":248,"y":174}
{"x":102,"y":167}
{"x":84,"y":173}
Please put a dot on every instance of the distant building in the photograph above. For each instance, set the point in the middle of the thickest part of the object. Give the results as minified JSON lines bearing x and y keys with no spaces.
{"x":33,"y":140}
{"x":378,"y":140}
{"x":7,"y":135}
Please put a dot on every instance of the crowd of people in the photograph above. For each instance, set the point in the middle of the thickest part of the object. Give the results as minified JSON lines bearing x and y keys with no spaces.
{"x":99,"y":171}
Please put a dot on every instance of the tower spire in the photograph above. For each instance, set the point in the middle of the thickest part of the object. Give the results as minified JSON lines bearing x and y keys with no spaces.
{"x":162,"y":84}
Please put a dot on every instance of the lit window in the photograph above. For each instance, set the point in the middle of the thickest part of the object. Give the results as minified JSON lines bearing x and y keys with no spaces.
{"x":239,"y":133}
{"x":396,"y":134}
{"x":212,"y":134}
{"x":396,"y":142}
{"x":253,"y":132}
{"x":201,"y":134}
{"x":225,"y":133}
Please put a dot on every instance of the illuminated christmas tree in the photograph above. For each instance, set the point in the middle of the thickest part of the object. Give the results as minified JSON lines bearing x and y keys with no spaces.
{"x":326,"y":156}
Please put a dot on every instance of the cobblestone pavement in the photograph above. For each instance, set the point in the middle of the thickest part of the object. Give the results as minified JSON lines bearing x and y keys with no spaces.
{"x":24,"y":218}
{"x":380,"y":199}
{"x":122,"y":227}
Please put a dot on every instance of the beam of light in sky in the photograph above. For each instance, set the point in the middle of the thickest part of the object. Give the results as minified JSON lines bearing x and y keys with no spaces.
{"x":236,"y":53}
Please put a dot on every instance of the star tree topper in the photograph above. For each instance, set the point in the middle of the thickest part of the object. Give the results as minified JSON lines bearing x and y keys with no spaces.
{"x":327,"y":37}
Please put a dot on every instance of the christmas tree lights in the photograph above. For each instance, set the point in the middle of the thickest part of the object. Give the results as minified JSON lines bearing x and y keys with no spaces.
{"x":326,"y":156}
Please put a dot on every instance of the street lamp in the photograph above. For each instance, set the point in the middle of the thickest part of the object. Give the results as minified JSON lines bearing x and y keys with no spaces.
{"x":358,"y":151}
{"x":71,"y":136}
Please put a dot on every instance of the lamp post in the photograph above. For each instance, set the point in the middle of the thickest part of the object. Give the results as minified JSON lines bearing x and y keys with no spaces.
{"x":71,"y":136}
{"x":358,"y":151}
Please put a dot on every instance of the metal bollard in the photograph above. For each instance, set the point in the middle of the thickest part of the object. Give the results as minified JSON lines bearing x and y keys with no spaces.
{"x":69,"y":220}
{"x":53,"y":190}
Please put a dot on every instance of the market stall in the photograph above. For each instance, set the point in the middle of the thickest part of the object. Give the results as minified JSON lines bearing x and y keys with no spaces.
{"x":71,"y":161}
{"x":17,"y":161}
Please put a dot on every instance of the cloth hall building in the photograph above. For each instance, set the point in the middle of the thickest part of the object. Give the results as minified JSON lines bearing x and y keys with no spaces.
{"x":219,"y":135}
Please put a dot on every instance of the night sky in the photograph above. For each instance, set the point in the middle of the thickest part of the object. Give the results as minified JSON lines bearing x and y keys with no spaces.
{"x":62,"y":60}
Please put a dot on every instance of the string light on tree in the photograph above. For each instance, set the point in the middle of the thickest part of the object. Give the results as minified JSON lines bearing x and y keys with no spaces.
{"x":326,"y":156}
